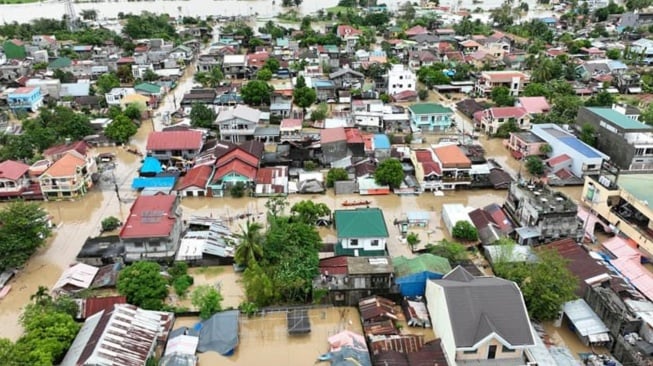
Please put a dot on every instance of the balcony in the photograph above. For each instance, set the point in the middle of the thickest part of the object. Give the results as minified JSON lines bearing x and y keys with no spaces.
{"x":237,"y":131}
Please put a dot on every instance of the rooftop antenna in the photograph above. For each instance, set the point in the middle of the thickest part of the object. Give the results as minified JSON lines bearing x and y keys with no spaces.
{"x":71,"y":16}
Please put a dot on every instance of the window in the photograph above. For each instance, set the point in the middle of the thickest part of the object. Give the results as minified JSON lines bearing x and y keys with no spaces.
{"x":472,"y":352}
{"x":138,"y":244}
{"x":375,"y":243}
{"x":353,"y":242}
{"x":505,"y":349}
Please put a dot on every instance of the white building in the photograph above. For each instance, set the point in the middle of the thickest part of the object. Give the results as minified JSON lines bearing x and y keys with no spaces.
{"x":114,"y":97}
{"x":452,"y":213}
{"x":401,"y":78}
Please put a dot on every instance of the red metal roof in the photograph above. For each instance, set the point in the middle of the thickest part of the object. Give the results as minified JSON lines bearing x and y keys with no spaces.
{"x":329,"y":135}
{"x":508,"y":112}
{"x":12,"y":170}
{"x":125,"y":60}
{"x":334,"y":265}
{"x":428,"y":164}
{"x":451,"y":156}
{"x":24,"y":90}
{"x":174,"y":140}
{"x":79,"y":146}
{"x":196,"y":177}
{"x":289,"y":123}
{"x":558,"y":159}
{"x":354,"y":136}
{"x":238,"y":167}
{"x":237,"y":154}
{"x":150,"y":216}
{"x":93,"y":305}
{"x":347,"y":30}
{"x":580,"y":263}
{"x":418,"y":29}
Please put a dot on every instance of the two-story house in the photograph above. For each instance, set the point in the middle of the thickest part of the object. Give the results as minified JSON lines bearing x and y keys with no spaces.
{"x":454,"y":164}
{"x":281,"y":99}
{"x":347,"y":79}
{"x":234,"y":66}
{"x":427,"y":171}
{"x":238,"y":124}
{"x":290,"y":130}
{"x":525,"y":143}
{"x":401,"y":79}
{"x":360,"y":232}
{"x":489,"y":120}
{"x":333,"y":143}
{"x":14,"y":180}
{"x":239,"y":165}
{"x":68,"y":177}
{"x":350,"y":279}
{"x":27,"y":99}
{"x":172,"y":145}
{"x":114,"y":96}
{"x":430,"y":117}
{"x":513,"y":80}
{"x":152,"y":229}
{"x":479,"y":319}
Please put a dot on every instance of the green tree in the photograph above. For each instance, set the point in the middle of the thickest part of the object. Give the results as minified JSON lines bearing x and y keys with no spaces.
{"x":465,"y":231}
{"x":545,"y":149}
{"x":454,"y":252}
{"x":336,"y":174}
{"x":202,"y":116}
{"x":272,"y":64}
{"x":133,"y":111}
{"x":207,"y":299}
{"x":535,"y":165}
{"x":150,"y":75}
{"x":588,"y":134}
{"x":264,"y":74}
{"x":546,"y":284}
{"x":303,"y":96}
{"x":256,"y":92}
{"x":613,"y":54}
{"x":506,"y":128}
{"x":423,"y":94}
{"x":413,"y":240}
{"x":110,"y":223}
{"x":320,"y":112}
{"x":276,"y":205}
{"x":309,"y":211}
{"x":259,"y":288}
{"x":250,"y":244}
{"x":389,"y":172}
{"x":537,"y":90}
{"x":121,"y":129}
{"x":124,"y":73}
{"x":601,"y":99}
{"x":501,"y":96}
{"x":23,"y":229}
{"x":143,"y":285}
{"x":106,"y":82}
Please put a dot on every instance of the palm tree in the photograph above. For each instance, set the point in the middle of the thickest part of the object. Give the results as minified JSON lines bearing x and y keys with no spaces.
{"x":250,"y":247}
{"x":545,"y":149}
{"x":41,"y":296}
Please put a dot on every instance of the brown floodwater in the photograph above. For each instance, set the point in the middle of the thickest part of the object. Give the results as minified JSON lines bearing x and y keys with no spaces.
{"x":564,"y":337}
{"x":266,"y":338}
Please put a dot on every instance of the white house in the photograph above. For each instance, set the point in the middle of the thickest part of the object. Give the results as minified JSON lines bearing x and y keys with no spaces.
{"x":361,"y":231}
{"x":452,"y":213}
{"x":479,"y":319}
{"x":114,"y":96}
{"x":401,"y":78}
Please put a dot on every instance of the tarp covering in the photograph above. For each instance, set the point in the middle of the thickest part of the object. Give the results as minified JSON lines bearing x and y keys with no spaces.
{"x":220,"y":333}
{"x":348,"y":349}
{"x":159,"y":182}
{"x":151,"y":166}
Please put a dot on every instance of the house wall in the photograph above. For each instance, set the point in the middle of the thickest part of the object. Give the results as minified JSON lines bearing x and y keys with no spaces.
{"x":580,"y":164}
{"x":364,"y":244}
{"x":491,"y":125}
{"x":527,"y":148}
{"x":431,"y":122}
{"x":153,"y":248}
{"x":401,"y":79}
{"x":237,"y":130}
{"x":438,"y":310}
{"x":168,"y":154}
{"x":334,"y":151}
{"x":482,"y":352}
{"x":10,"y":185}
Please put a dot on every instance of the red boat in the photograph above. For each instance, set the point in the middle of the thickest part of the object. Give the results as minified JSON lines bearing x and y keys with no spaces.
{"x":356,"y":203}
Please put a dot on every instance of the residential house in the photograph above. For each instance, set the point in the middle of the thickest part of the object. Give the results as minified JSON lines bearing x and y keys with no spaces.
{"x":525,"y":143}
{"x":333,"y":144}
{"x":584,"y":158}
{"x":470,"y":314}
{"x":281,"y":99}
{"x":469,"y":46}
{"x":420,"y":59}
{"x":454,"y":164}
{"x":239,"y":165}
{"x":453,"y":213}
{"x":182,"y":53}
{"x":194,"y":183}
{"x":544,"y":215}
{"x":28,"y":99}
{"x":14,"y":49}
{"x":347,"y":79}
{"x":642,"y":46}
{"x":15,"y":182}
{"x":271,"y":181}
{"x":201,"y":96}
{"x":360,"y":232}
{"x":350,"y":279}
{"x":56,"y":152}
{"x":238,"y":124}
{"x":349,"y":35}
{"x":114,"y":96}
{"x":234,"y":66}
{"x":206,"y":63}
{"x":401,"y":79}
{"x":174,"y":145}
{"x":325,"y":90}
{"x":513,"y":80}
{"x":68,"y":177}
{"x":427,"y":171}
{"x":123,"y":335}
{"x":153,"y":229}
{"x":492,"y":223}
{"x":149,"y":89}
{"x":290,"y":130}
{"x":430,"y":117}
{"x":533,"y":105}
{"x":627,"y":141}
{"x":587,"y":270}
{"x":491,"y":119}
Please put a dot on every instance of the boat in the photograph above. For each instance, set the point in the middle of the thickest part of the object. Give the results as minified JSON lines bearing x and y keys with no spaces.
{"x":356,"y":203}
{"x":134,"y":151}
{"x":5,"y":290}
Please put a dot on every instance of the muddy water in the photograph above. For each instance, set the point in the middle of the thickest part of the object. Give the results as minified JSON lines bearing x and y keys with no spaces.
{"x":266,"y":338}
{"x":223,"y":277}
{"x":563,"y":336}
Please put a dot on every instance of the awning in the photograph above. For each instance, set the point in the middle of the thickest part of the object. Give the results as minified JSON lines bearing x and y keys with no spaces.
{"x":599,"y":338}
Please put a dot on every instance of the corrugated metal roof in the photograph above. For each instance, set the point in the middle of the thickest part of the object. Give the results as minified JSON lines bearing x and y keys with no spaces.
{"x":585,"y":320}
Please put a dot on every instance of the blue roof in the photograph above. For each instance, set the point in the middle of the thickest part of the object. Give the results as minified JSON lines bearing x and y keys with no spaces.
{"x":160,"y":182}
{"x":381,"y":141}
{"x":151,"y":165}
{"x":579,"y":146}
{"x":323,"y":83}
{"x":614,"y":64}
{"x":551,"y":20}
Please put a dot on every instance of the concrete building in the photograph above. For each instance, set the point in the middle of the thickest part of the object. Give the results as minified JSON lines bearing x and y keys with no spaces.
{"x":543,"y":214}
{"x":238,"y":124}
{"x":153,"y":229}
{"x":627,"y":141}
{"x":360,"y":232}
{"x":27,"y":99}
{"x":68,"y":177}
{"x":400,"y":79}
{"x":481,"y":320}
{"x":513,"y":80}
{"x":430,"y":117}
{"x":584,"y":158}
{"x":114,"y":96}
{"x":491,"y":119}
{"x":168,"y":145}
{"x":523,"y":144}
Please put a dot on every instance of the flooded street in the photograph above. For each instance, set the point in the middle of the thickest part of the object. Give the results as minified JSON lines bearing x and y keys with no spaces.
{"x":266,"y":338}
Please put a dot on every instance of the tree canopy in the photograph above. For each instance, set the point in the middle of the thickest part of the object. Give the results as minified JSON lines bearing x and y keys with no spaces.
{"x":501,"y":96}
{"x":303,"y":96}
{"x":336,"y":174}
{"x":202,"y":116}
{"x":207,"y":299}
{"x":121,"y":129}
{"x":454,"y":252}
{"x":389,"y":172}
{"x":256,"y":92}
{"x":106,"y":82}
{"x":143,"y":285}
{"x":23,"y":229}
{"x":309,"y":211}
{"x":535,"y":165}
{"x":464,"y":230}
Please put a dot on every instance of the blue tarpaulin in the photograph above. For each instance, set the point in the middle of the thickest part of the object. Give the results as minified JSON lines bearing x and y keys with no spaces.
{"x":154,"y":182}
{"x":151,"y":165}
{"x":415,"y":284}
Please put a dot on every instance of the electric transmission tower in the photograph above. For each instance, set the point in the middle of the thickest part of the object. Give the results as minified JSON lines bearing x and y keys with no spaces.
{"x":71,"y":16}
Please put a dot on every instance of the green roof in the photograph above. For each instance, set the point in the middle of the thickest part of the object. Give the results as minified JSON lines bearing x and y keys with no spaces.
{"x":429,"y":108}
{"x":360,"y":223}
{"x":60,"y":63}
{"x":148,"y":88}
{"x":618,"y":119}
{"x":423,"y":263}
{"x":638,"y":185}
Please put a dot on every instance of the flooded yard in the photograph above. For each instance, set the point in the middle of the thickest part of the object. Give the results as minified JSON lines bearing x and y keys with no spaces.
{"x":265,"y":339}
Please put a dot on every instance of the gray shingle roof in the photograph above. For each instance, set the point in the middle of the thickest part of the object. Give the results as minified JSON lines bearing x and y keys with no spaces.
{"x":480,"y":306}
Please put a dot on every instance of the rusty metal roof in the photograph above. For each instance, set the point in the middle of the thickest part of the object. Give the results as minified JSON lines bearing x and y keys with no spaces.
{"x":376,"y":307}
